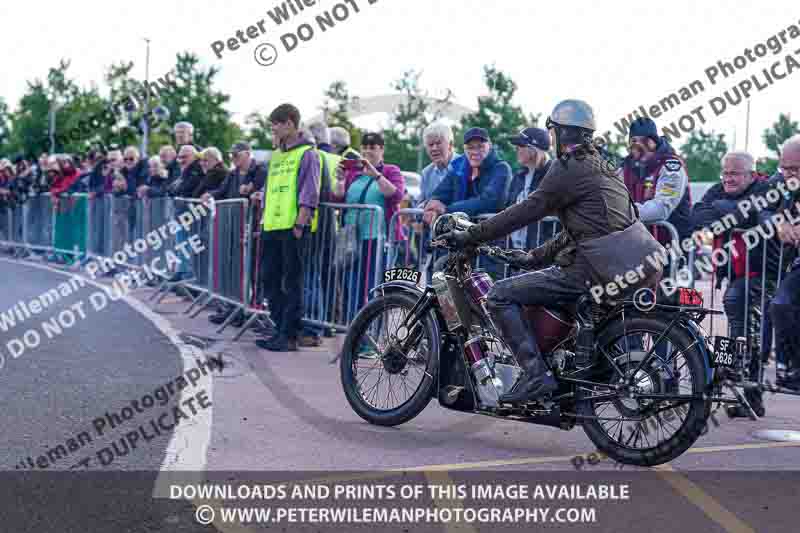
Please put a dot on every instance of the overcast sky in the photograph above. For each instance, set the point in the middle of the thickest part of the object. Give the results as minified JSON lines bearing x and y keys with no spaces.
{"x":615,"y":55}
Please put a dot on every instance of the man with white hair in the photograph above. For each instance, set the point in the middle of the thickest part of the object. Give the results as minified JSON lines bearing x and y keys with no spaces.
{"x":191,"y":178}
{"x":184,"y":135}
{"x":738,"y":182}
{"x":169,"y":158}
{"x":439,"y":143}
{"x":214,"y":169}
{"x":319,"y":130}
{"x":340,"y":141}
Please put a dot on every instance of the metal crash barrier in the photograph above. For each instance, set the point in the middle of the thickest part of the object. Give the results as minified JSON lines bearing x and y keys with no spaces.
{"x":345,"y":258}
{"x":759,"y":283}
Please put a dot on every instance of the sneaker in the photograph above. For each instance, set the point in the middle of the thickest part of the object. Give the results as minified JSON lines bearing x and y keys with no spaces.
{"x":278,"y":344}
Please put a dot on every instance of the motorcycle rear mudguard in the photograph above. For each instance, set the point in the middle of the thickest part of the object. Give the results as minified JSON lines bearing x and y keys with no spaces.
{"x":452,"y":368}
{"x":689,"y":327}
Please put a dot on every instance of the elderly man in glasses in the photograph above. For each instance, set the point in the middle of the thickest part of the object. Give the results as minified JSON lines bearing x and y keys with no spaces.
{"x":744,"y":271}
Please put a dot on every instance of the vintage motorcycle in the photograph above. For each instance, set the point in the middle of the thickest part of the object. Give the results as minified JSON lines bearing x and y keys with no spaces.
{"x":637,"y":374}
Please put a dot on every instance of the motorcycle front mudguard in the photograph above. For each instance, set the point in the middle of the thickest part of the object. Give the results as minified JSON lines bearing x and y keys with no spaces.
{"x":452,"y":368}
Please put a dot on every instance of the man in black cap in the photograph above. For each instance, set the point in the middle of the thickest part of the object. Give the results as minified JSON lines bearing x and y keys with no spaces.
{"x":475,"y":183}
{"x":246,"y":177}
{"x":532,"y":146}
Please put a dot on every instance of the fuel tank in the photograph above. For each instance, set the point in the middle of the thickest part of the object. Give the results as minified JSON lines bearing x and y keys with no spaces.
{"x":550,"y":326}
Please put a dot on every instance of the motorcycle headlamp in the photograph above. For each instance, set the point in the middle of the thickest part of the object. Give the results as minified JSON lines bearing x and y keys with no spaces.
{"x":450,"y":222}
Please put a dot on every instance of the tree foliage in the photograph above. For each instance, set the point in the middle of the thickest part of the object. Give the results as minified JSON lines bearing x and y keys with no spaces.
{"x":779,"y":132}
{"x":498,"y":114}
{"x":336,"y":110}
{"x":703,"y":155}
{"x":196,"y":100}
{"x":773,"y":138}
{"x":409,"y":119}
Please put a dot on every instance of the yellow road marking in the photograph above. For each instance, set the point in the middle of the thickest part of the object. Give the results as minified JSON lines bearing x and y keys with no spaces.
{"x":710,"y":507}
{"x":528,"y":461}
{"x":437,"y":474}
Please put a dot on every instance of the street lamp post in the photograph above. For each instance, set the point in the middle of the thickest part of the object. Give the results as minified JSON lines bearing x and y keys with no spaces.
{"x":144,"y":119}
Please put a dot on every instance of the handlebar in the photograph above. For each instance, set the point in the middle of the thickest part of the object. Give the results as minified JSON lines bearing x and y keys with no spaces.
{"x":491,"y":251}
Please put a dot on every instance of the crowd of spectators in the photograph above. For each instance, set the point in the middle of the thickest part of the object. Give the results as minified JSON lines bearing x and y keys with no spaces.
{"x":314,"y":164}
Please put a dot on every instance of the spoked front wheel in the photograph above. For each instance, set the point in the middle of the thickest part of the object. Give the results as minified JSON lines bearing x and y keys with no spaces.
{"x":390,"y":361}
{"x":664,"y":412}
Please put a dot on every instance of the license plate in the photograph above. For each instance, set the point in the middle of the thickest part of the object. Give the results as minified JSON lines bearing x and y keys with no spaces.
{"x":402,"y":274}
{"x":727,"y":352}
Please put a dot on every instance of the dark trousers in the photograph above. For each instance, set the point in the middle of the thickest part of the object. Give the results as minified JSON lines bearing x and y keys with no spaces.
{"x":549,"y":287}
{"x":785,"y":312}
{"x":282,"y":278}
{"x":735,"y":301}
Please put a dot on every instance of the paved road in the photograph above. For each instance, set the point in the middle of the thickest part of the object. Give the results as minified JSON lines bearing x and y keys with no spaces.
{"x":284,"y":416}
{"x":60,"y":399}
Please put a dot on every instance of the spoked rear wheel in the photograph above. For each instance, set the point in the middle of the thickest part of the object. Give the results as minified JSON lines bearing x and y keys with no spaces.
{"x":388,"y":370}
{"x":646,"y":431}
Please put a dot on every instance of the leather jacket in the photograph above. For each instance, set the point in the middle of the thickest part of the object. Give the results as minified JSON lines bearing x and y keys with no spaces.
{"x":581,"y":189}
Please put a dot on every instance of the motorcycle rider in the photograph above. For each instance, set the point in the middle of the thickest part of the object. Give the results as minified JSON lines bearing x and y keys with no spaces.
{"x":601,"y":235}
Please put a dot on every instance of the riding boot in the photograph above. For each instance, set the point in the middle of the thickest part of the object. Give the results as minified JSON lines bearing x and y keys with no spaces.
{"x":537,"y":380}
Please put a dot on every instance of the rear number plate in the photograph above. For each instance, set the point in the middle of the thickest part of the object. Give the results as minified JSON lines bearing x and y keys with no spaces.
{"x":727,"y":352}
{"x":402,"y":274}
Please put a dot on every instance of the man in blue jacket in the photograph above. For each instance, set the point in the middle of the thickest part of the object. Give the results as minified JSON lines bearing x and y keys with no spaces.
{"x":475,"y":182}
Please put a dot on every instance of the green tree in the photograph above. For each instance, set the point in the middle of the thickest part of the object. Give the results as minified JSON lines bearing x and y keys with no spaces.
{"x":259,"y":133}
{"x":127,"y":130}
{"x":404,"y":145}
{"x":336,"y":110}
{"x":774,"y":137}
{"x":58,"y":98}
{"x":497,"y":113}
{"x":5,"y":128}
{"x":196,"y":100}
{"x":779,"y":132}
{"x":703,"y":154}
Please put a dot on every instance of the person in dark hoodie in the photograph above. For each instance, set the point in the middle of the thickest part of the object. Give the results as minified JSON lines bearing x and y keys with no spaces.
{"x":191,"y":178}
{"x":657,"y":180}
{"x":215,"y":171}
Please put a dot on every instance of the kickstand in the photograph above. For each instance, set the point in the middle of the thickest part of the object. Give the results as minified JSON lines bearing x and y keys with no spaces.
{"x":742,"y":400}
